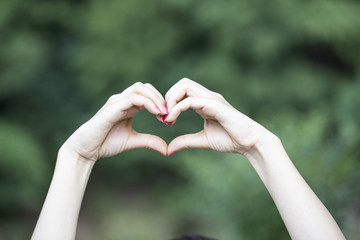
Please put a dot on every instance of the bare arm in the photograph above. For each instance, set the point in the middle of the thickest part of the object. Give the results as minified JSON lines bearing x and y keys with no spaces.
{"x":108,"y":133}
{"x":303,"y":213}
{"x":228,"y":130}
{"x":59,"y":215}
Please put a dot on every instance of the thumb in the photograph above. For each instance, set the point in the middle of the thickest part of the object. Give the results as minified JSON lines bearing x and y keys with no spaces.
{"x":195,"y":140}
{"x":142,"y":140}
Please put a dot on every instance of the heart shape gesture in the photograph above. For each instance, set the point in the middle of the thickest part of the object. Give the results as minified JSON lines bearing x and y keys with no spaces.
{"x":110,"y":131}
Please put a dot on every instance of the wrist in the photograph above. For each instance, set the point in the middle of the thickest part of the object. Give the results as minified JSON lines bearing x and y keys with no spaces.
{"x":72,"y":173}
{"x":72,"y":161}
{"x":68,"y":150}
{"x":268,"y":158}
{"x":266,"y":143}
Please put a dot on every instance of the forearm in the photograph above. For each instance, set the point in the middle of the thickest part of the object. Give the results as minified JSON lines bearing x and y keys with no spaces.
{"x":59,"y":215}
{"x":302,"y":212}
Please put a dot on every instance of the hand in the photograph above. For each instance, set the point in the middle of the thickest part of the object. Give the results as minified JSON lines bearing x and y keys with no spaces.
{"x":110,"y":131}
{"x":225,"y":128}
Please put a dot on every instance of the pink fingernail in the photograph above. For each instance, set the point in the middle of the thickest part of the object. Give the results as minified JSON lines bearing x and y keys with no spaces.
{"x":163,"y":117}
{"x":171,"y":153}
{"x":165,"y":109}
{"x":158,"y":109}
{"x":171,"y":124}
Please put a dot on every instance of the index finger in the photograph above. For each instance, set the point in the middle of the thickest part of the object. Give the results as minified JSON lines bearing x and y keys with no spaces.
{"x":183,"y":89}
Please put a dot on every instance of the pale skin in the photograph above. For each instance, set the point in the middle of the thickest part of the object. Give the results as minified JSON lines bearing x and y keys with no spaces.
{"x":226,"y":129}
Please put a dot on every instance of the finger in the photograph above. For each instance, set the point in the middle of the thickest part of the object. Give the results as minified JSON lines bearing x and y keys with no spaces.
{"x":195,"y":140}
{"x":146,"y":91}
{"x":182,"y":89}
{"x":160,"y":101}
{"x":123,"y":108}
{"x":180,"y":84}
{"x":162,"y":118}
{"x":159,"y":117}
{"x":141,"y":102}
{"x":141,"y":140}
{"x":164,"y":110}
{"x":204,"y":106}
{"x":155,"y":91}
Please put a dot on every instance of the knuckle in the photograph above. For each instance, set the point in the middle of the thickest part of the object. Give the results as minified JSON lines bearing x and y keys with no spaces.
{"x":137,"y":85}
{"x":185,"y":83}
{"x":112,"y":98}
{"x":218,"y":95}
{"x":185,"y":80}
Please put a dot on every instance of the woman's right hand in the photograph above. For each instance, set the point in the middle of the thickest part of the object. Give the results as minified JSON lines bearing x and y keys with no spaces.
{"x":110,"y":131}
{"x":225,"y":128}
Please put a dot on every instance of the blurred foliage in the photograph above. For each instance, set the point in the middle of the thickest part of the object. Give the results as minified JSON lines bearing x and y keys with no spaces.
{"x":291,"y":65}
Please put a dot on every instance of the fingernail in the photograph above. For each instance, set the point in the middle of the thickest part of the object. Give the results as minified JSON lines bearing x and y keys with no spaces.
{"x":171,"y":153}
{"x":171,"y":124}
{"x":163,"y":117}
{"x":165,"y":109}
{"x":158,"y":109}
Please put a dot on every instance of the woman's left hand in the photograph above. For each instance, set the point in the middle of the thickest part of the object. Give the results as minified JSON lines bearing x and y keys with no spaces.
{"x":225,"y":128}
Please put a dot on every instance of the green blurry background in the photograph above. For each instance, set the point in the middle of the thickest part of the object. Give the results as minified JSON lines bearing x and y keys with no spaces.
{"x":293,"y":66}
